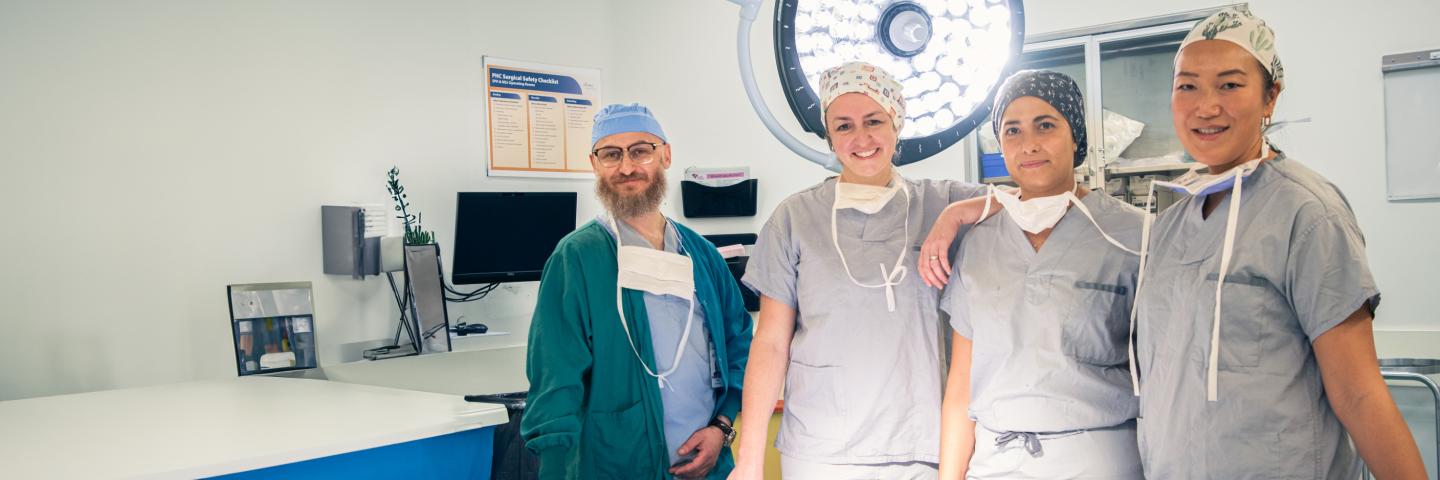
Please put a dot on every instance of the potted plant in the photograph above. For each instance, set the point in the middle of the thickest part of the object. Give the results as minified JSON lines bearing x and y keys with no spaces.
{"x":420,"y":249}
{"x":414,"y":234}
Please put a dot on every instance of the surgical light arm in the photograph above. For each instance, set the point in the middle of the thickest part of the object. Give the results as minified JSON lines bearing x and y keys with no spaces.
{"x":748,"y":11}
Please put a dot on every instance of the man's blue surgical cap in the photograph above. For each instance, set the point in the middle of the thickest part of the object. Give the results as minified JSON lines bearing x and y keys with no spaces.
{"x":624,"y":118}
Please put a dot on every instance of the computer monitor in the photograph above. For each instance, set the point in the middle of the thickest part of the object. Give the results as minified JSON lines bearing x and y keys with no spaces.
{"x":507,"y":236}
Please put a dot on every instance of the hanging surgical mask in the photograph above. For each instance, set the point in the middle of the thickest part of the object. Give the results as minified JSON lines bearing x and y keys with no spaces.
{"x":846,"y":196}
{"x":1070,"y":199}
{"x":1039,"y":214}
{"x":865,"y":198}
{"x":1201,"y":184}
{"x":655,"y":271}
{"x":1198,"y":182}
{"x":660,"y":273}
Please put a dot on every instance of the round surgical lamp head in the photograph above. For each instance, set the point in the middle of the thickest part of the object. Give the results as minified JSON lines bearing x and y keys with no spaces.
{"x":949,"y":56}
{"x":904,"y":29}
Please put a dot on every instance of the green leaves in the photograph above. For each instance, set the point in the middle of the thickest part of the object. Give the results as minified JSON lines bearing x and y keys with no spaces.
{"x":414,"y":235}
{"x":418,"y":237}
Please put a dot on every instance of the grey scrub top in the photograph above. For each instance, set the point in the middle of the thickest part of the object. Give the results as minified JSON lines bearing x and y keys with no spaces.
{"x":689,"y":401}
{"x":863,"y":384}
{"x":1049,"y":327}
{"x":1298,"y":269}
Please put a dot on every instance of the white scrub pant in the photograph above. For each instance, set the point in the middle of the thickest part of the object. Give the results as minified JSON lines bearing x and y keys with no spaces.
{"x":795,"y":469}
{"x":1104,"y":453}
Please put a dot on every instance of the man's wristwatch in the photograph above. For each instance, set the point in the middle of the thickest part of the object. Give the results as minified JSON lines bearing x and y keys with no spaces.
{"x":725,"y":428}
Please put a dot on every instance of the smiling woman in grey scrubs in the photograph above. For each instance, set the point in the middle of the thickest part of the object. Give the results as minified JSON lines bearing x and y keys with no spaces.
{"x":1254,"y":340}
{"x":1040,"y":301}
{"x":854,"y":334}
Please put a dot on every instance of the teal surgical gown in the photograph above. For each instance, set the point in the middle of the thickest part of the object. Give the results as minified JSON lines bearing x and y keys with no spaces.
{"x":593,"y":410}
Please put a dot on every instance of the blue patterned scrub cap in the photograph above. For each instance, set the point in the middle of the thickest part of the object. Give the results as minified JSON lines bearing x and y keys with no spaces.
{"x":1238,"y":26}
{"x":1055,"y":88}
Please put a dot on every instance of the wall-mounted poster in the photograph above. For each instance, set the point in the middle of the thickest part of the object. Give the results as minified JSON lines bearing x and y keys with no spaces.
{"x":539,"y":118}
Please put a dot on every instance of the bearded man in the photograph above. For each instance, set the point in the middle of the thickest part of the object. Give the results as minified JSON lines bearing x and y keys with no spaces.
{"x":639,"y":339}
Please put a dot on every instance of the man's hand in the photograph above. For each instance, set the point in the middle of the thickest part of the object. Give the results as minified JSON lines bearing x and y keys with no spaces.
{"x":705,"y":444}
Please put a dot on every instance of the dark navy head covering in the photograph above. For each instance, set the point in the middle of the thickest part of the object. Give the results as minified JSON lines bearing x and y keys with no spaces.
{"x":1055,"y":88}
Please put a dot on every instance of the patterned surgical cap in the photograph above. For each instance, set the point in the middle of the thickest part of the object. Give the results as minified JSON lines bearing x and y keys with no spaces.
{"x":861,"y":77}
{"x":1055,"y":88}
{"x":1238,"y":26}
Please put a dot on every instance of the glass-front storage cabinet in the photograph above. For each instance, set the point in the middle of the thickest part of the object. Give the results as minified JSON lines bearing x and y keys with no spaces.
{"x":1126,"y":71}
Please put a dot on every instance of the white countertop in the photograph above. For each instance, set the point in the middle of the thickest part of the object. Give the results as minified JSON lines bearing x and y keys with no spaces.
{"x":206,"y":428}
{"x":462,"y":372}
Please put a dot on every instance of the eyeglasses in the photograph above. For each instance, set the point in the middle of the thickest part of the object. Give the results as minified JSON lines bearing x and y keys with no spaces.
{"x":640,"y":154}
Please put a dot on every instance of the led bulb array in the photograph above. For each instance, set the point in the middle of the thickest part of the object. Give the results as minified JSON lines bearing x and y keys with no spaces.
{"x":969,"y":43}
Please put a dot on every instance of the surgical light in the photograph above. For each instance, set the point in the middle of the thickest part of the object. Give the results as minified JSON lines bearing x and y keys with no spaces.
{"x":949,"y":55}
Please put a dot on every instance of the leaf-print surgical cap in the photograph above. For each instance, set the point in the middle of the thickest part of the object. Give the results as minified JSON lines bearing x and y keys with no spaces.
{"x":1238,"y":26}
{"x":1055,"y":88}
{"x":861,"y":77}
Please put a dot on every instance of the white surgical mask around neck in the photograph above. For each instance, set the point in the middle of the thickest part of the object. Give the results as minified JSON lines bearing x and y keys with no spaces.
{"x":896,"y":273}
{"x":1038,"y":214}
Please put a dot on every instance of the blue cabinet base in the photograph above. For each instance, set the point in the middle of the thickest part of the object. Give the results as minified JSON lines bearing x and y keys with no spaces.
{"x":457,"y":455}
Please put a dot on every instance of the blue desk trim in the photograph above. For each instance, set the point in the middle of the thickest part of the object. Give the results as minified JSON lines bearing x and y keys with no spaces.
{"x":466,"y":454}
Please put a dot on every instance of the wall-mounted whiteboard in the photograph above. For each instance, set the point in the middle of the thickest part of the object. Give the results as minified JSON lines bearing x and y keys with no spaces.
{"x":1412,"y":111}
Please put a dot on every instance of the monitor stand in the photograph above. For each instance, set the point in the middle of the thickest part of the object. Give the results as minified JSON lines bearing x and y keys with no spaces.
{"x":397,"y":349}
{"x":389,"y":351}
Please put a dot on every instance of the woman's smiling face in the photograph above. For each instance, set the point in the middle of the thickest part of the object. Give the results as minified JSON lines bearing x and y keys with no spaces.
{"x":1220,"y":102}
{"x":862,"y":135}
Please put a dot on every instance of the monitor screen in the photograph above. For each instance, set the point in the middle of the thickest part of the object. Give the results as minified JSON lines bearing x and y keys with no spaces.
{"x":507,"y":236}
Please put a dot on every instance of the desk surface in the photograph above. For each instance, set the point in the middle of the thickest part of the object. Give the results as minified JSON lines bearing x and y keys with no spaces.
{"x":462,"y":372}
{"x":206,"y":428}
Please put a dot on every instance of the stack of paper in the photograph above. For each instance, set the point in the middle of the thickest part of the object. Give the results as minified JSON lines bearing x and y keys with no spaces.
{"x":717,"y":177}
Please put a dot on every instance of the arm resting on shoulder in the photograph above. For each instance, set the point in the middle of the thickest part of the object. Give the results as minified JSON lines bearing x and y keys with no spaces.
{"x":942,"y":235}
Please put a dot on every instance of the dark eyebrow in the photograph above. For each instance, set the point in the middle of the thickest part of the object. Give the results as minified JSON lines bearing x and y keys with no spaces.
{"x":1233,"y":71}
{"x":1039,"y":118}
{"x":868,"y":115}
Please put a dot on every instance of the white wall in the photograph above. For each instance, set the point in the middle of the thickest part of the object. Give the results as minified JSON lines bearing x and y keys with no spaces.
{"x":155,"y":152}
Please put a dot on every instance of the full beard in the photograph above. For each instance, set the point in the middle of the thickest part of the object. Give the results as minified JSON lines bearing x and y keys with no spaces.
{"x":628,"y":206}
